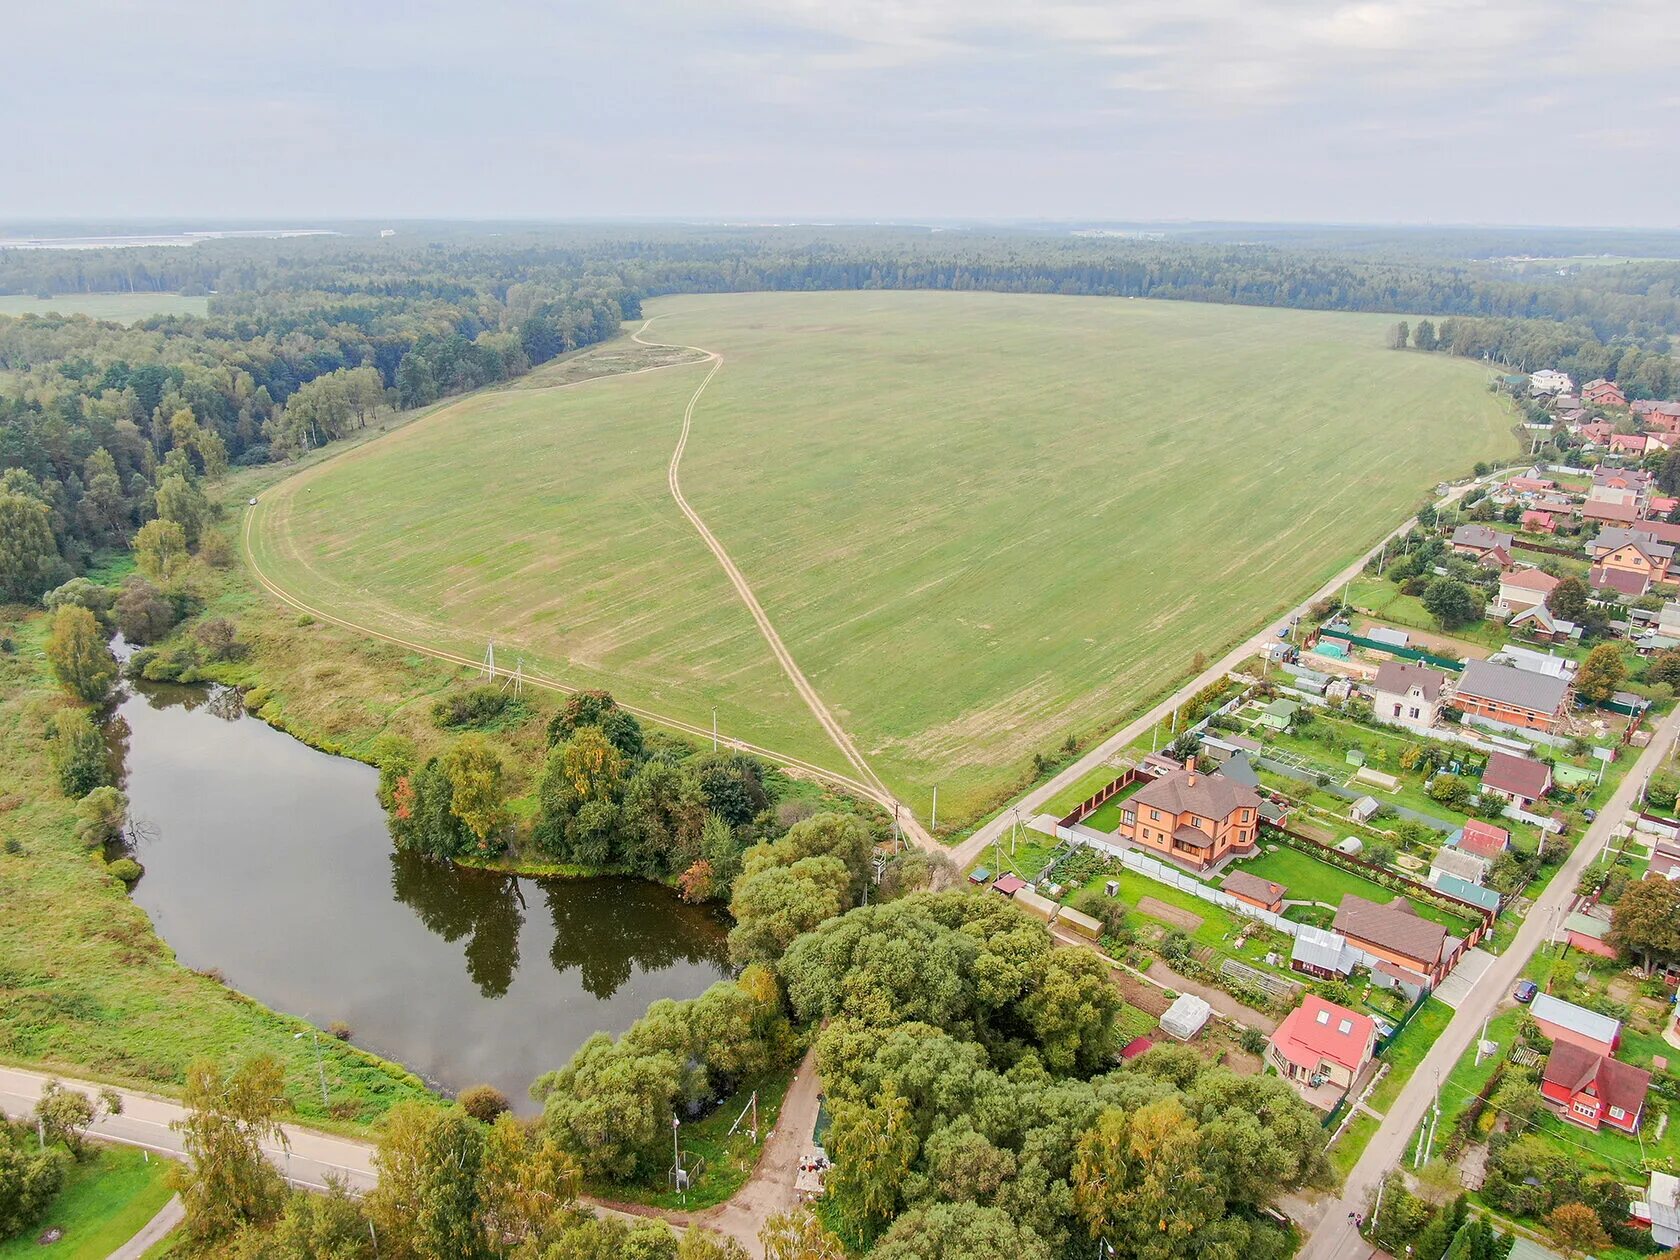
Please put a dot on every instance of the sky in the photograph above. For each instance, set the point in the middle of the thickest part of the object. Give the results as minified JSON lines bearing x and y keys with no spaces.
{"x":1418,"y":111}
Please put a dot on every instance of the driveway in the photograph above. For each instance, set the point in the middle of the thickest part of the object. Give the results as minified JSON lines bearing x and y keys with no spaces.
{"x":1471,"y":968}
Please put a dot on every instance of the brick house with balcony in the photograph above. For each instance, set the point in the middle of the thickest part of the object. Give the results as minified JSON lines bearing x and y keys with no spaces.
{"x":1632,"y":551}
{"x":1592,"y":1089}
{"x":1192,"y":818}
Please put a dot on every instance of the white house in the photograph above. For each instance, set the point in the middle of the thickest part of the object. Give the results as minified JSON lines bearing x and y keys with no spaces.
{"x":1454,"y":862}
{"x":1521,"y":590}
{"x":1546,"y":381}
{"x":1406,"y":695}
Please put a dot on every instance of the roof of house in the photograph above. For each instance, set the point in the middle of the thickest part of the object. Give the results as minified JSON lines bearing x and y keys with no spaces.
{"x":1399,"y":677}
{"x":1322,"y":948}
{"x":1394,"y":927}
{"x":1577,"y":1019}
{"x":1462,"y":863}
{"x":1464,"y":890}
{"x":1242,"y":884}
{"x":1318,"y":1030}
{"x":1483,"y":838}
{"x":1662,"y":531}
{"x":1617,"y":1084}
{"x":1511,"y":773}
{"x":1598,"y":510}
{"x":1481,"y":537}
{"x":1622,"y":581}
{"x":1627,"y":476}
{"x":1239,"y":769}
{"x":1531,"y":580}
{"x":1587,"y":925}
{"x":1543,"y":620}
{"x":1614,"y":539}
{"x":1189,"y":792}
{"x":1518,"y":688}
{"x":1283,"y":709}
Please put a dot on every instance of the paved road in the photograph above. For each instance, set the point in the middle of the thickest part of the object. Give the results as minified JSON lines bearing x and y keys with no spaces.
{"x":153,"y":1231}
{"x":1335,"y":1236}
{"x":307,"y":1160}
{"x":1033,"y":802}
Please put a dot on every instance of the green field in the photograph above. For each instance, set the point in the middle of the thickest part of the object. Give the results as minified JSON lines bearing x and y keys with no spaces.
{"x":106,"y":1200}
{"x":980,"y":522}
{"x":120,"y":308}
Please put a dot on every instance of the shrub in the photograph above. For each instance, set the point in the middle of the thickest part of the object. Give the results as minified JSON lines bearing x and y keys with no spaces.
{"x":217,"y":637}
{"x":142,"y":613}
{"x":340,"y":1030}
{"x":479,"y":707}
{"x":1252,"y":1040}
{"x":126,"y":869}
{"x":483,"y":1102}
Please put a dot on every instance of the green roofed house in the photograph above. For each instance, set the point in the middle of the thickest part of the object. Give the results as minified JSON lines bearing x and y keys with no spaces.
{"x":1279,"y":714}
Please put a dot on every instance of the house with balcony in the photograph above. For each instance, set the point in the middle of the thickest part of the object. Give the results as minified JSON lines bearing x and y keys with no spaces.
{"x":1592,"y":1089}
{"x":1192,"y":818}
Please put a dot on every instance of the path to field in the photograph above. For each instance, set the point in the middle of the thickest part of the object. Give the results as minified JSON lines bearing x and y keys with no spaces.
{"x":778,"y":649}
{"x":1030,"y":804}
{"x":869,"y":786}
{"x":308,"y":1157}
{"x":1335,"y":1235}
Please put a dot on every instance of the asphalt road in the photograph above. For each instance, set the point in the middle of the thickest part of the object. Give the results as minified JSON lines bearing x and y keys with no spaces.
{"x":1335,"y":1238}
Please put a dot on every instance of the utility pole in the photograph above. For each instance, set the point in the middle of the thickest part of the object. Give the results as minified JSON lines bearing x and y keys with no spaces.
{"x":933,"y":819}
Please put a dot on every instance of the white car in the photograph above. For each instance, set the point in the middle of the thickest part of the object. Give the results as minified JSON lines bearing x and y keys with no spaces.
{"x":253,"y":503}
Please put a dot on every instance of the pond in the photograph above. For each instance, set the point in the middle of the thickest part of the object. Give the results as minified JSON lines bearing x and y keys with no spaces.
{"x":270,"y":862}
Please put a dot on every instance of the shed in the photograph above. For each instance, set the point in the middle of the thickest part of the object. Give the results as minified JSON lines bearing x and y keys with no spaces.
{"x":1362,"y":809}
{"x":1279,"y":714}
{"x":979,"y":875}
{"x":1080,"y":924}
{"x":1035,"y":905}
{"x":1463,"y":890}
{"x":1185,"y":1017}
{"x":1385,"y":634}
{"x":1587,"y":933}
{"x":1008,"y":885}
{"x":1564,"y":1021}
{"x":1321,"y":952}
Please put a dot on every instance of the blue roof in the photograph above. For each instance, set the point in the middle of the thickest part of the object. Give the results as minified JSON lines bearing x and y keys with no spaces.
{"x":1464,"y":890}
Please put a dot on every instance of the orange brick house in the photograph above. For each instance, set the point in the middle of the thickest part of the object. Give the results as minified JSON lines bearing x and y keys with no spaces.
{"x":1603,"y":393}
{"x":1513,"y":696}
{"x":1632,"y":551}
{"x":1192,"y":818}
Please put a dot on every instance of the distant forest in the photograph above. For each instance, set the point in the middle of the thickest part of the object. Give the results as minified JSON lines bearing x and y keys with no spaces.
{"x":307,"y":338}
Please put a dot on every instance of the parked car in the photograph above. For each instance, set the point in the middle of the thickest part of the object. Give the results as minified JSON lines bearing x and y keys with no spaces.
{"x":1525,"y":991}
{"x":1591,"y":815}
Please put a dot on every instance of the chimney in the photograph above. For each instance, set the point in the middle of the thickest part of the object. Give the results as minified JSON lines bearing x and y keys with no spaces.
{"x":1190,"y":765}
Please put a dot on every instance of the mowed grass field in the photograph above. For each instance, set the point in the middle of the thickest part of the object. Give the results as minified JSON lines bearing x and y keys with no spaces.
{"x":980,"y":522}
{"x":119,"y":308}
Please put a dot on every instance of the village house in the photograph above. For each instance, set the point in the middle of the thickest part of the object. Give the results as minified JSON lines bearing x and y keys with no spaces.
{"x":1539,"y":521}
{"x":1476,"y":541}
{"x":1660,"y":417}
{"x":1193,"y":818}
{"x":1562,"y":1022}
{"x":1254,"y":891}
{"x":1523,"y":588}
{"x":1320,"y":1041}
{"x":1406,"y":695}
{"x":1593,"y":1090}
{"x":1587,"y":933}
{"x":1605,"y":512}
{"x":1616,"y":484}
{"x":1603,"y":393}
{"x":1613,"y":585}
{"x":1516,"y":697}
{"x":1458,"y":864}
{"x":1407,"y":947}
{"x":1627,"y":443}
{"x":1632,"y":551}
{"x":1548,"y":381}
{"x":1529,"y":483}
{"x":1520,"y":780}
{"x":1482,"y":838}
{"x":1542,"y":624}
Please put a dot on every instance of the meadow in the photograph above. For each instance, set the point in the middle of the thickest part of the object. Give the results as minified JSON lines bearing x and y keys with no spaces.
{"x":981,"y":523}
{"x":118,"y":308}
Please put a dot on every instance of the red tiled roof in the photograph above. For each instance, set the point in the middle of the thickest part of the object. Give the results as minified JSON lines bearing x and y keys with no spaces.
{"x":1318,"y":1030}
{"x":1616,"y":1084}
{"x":1596,"y":510}
{"x":1242,"y":884}
{"x":1622,"y":581}
{"x":1484,"y":839}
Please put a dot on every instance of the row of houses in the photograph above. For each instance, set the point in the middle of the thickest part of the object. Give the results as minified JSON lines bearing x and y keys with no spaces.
{"x":1534,"y":699}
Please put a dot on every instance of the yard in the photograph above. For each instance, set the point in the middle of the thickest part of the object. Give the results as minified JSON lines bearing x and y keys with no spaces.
{"x":1406,"y":1051}
{"x":109,"y":1195}
{"x":1308,"y":879}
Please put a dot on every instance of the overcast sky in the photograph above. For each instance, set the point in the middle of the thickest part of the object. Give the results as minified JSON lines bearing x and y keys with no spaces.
{"x":1462,"y":111}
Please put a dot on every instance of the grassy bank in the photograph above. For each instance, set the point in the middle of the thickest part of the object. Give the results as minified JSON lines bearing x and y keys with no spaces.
{"x":107,"y":1199}
{"x":86,"y":986}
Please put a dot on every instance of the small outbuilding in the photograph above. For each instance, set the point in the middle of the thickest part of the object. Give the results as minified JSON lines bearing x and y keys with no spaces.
{"x":1008,"y":885}
{"x":1080,"y":924}
{"x":1279,"y":715}
{"x":1363,"y":809}
{"x":1253,"y":890}
{"x":1186,"y":1016}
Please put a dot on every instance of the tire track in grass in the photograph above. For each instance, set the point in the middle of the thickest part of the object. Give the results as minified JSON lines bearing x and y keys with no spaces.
{"x":819,"y":710}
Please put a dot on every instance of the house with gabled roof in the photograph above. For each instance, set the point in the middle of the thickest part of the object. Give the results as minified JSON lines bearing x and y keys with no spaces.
{"x":1322,"y":1041}
{"x":1520,"y":780}
{"x":1616,"y":584}
{"x":1483,"y":839}
{"x":1634,"y":550}
{"x":1264,"y":893}
{"x":1523,"y":588}
{"x":1603,"y":393}
{"x":1592,"y":1089}
{"x":1422,"y":950}
{"x":1564,"y":1021}
{"x":1477,"y":541}
{"x":1403,"y":694}
{"x":1516,"y":697}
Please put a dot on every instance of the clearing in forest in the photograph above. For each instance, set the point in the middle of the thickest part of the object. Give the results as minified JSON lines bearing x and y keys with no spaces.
{"x":979,"y":522}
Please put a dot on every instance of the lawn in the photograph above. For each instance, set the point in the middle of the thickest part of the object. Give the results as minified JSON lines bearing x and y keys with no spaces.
{"x":1308,"y":879}
{"x":909,"y":482}
{"x":1406,"y":1051}
{"x":120,"y":308}
{"x":105,"y":1201}
{"x":1351,"y":1145}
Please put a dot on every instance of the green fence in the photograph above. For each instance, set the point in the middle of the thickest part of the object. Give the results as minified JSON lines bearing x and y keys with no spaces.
{"x":1400,"y":1027}
{"x":1411,"y":654}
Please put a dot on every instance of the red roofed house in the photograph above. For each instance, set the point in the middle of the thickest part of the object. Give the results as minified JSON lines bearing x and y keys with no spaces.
{"x":1539,"y":522}
{"x":1628,"y":443}
{"x":1599,"y":431}
{"x":1523,"y":588}
{"x":1618,"y":581}
{"x":1593,"y":1090}
{"x":1530,"y":485}
{"x":1192,"y":818}
{"x":1319,"y":1038}
{"x":1665,"y":861}
{"x":1484,"y":839}
{"x":1520,"y":780}
{"x":1663,"y":417}
{"x":1255,"y":891}
{"x":1662,"y":505}
{"x":1609,"y":513}
{"x":1603,"y":393}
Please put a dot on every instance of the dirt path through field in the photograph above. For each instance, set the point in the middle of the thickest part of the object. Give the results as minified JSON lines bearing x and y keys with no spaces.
{"x":737,"y":579}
